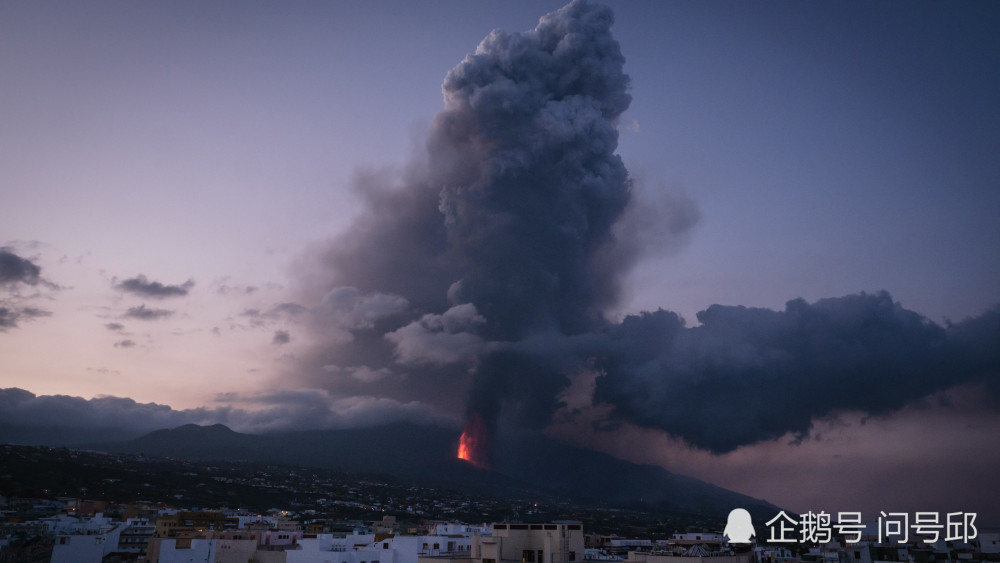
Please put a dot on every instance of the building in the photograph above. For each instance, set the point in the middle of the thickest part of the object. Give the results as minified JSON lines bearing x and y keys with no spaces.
{"x":556,"y":542}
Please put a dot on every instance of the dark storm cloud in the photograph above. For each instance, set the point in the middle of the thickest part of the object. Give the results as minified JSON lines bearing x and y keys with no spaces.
{"x":144,"y":313}
{"x":749,"y":375}
{"x":281,"y":337}
{"x":141,"y":286}
{"x":14,"y":269}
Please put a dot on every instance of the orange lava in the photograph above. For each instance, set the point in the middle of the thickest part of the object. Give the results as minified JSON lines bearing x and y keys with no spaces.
{"x":472,"y":446}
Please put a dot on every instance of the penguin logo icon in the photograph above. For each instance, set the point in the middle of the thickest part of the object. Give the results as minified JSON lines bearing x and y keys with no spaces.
{"x":739,"y":527}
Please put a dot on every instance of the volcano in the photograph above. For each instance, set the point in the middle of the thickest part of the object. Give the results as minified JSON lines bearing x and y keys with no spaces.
{"x":427,"y":454}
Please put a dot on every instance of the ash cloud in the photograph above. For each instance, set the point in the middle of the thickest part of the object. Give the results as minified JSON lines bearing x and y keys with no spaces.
{"x":481,"y":275}
{"x":144,"y":313}
{"x":749,"y":375}
{"x":142,"y":287}
{"x":505,"y":232}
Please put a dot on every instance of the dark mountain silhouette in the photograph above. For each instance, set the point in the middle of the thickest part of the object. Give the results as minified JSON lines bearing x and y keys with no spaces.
{"x":427,"y":453}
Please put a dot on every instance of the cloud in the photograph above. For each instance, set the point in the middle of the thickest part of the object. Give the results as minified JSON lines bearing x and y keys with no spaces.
{"x":354,"y":310}
{"x":143,"y":313}
{"x":511,"y":216}
{"x":141,"y":286}
{"x":114,"y":326}
{"x":14,"y":269}
{"x":268,"y":412}
{"x":281,"y":337}
{"x":125,"y":343}
{"x":17,"y":275}
{"x":482,"y":274}
{"x":751,"y":375}
{"x":440,"y":339}
{"x":363,"y":374}
{"x":11,"y":316}
{"x":288,"y":309}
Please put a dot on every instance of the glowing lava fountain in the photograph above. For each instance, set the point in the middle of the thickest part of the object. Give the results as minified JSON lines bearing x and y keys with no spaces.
{"x":473,"y":446}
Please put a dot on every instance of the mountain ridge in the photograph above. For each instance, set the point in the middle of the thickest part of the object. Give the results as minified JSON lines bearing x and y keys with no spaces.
{"x":427,"y":453}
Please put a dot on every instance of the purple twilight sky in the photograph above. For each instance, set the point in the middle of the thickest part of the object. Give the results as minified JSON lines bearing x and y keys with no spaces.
{"x":179,"y":180}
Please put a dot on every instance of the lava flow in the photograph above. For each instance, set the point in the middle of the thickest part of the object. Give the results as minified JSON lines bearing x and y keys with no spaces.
{"x":473,"y":446}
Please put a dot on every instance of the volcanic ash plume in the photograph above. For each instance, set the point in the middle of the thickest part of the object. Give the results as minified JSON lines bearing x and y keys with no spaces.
{"x":481,"y":278}
{"x":508,"y":233}
{"x":530,"y":206}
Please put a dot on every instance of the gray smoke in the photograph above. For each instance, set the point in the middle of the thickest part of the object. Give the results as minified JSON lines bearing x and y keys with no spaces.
{"x":508,"y":231}
{"x":749,"y":375}
{"x":481,"y":276}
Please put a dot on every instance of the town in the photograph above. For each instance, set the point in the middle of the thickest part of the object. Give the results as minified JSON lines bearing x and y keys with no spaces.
{"x":64,"y":505}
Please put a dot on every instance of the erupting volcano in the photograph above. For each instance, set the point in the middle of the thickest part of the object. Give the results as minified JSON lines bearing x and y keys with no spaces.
{"x":473,"y":446}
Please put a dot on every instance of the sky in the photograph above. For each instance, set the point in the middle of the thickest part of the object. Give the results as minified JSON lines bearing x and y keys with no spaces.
{"x":285,"y":216}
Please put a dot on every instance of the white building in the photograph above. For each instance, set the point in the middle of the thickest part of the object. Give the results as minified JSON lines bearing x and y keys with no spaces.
{"x":83,"y":540}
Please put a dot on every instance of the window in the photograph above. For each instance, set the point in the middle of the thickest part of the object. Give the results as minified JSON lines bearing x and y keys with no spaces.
{"x":571,"y":556}
{"x":527,"y":556}
{"x":436,"y":546}
{"x":385,"y":545}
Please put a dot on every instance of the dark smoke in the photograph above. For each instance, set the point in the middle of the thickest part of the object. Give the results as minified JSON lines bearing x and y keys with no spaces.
{"x":481,"y":277}
{"x":512,"y":219}
{"x":529,"y":216}
{"x":749,"y":375}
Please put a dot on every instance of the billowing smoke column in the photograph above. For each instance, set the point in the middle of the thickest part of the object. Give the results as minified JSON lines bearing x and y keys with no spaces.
{"x":493,"y":260}
{"x":511,"y":226}
{"x":528,"y":223}
{"x":529,"y":209}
